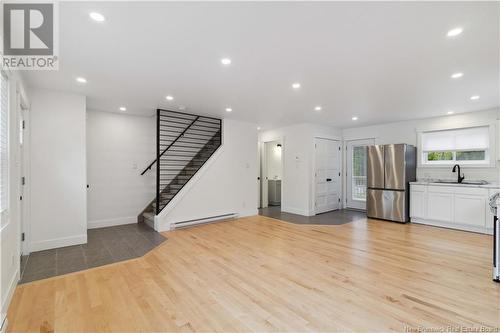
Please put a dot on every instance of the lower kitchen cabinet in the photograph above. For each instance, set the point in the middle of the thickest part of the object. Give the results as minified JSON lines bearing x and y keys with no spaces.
{"x":457,"y":207}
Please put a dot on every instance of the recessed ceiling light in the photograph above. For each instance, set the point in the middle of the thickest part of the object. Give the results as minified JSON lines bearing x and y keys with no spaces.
{"x":296,"y":85}
{"x":258,"y":128}
{"x":98,"y":17}
{"x":475,"y":97}
{"x":354,"y":118}
{"x":81,"y":79}
{"x":450,"y":112}
{"x":457,"y":75}
{"x":122,"y":108}
{"x":225,"y":61}
{"x":169,"y":98}
{"x":229,"y":109}
{"x":455,"y":32}
{"x":317,"y":108}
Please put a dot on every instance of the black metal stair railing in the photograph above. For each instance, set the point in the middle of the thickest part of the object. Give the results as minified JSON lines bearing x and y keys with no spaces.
{"x":184,"y":142}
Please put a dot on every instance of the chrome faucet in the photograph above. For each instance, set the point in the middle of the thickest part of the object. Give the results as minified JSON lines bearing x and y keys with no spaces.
{"x":460,"y":178}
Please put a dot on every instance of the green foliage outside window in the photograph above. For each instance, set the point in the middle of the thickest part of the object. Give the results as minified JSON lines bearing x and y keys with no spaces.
{"x":440,"y":156}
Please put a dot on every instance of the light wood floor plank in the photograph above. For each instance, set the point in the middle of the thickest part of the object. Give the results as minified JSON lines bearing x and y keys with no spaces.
{"x":258,"y":274}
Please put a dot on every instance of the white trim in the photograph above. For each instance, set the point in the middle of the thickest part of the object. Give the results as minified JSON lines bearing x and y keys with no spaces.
{"x":7,"y":300}
{"x":263,"y":166}
{"x":351,"y":203}
{"x":454,"y":226}
{"x":111,"y":222}
{"x":58,"y":242}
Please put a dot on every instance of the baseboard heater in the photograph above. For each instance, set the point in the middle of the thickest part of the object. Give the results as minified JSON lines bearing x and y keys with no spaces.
{"x":211,"y":219}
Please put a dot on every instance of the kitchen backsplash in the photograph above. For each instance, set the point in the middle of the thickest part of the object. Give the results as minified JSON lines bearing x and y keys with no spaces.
{"x":488,"y":174}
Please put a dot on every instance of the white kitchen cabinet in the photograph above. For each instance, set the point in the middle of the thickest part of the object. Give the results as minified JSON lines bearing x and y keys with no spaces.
{"x":454,"y":206}
{"x":470,"y":209}
{"x":418,"y":195}
{"x":440,"y":204}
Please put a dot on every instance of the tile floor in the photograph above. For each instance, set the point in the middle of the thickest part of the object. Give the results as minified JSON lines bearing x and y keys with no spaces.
{"x":336,"y":217}
{"x":104,"y":246}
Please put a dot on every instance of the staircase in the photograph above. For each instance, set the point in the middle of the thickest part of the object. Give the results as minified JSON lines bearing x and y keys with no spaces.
{"x":184,"y":142}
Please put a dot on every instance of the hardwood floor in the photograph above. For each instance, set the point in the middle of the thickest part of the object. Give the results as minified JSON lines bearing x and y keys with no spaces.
{"x":260,"y":274}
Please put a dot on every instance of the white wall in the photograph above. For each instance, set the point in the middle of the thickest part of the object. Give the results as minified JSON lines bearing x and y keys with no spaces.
{"x":406,"y":132}
{"x":10,"y":227}
{"x":227,"y":183}
{"x":297,"y":185}
{"x":273,"y":160}
{"x":58,"y":170}
{"x":119,"y":147}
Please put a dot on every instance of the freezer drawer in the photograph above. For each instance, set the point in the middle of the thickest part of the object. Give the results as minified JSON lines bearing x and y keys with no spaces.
{"x":387,"y":205}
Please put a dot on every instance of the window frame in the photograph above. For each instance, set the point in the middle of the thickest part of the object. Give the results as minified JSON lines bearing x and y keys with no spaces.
{"x":490,"y":153}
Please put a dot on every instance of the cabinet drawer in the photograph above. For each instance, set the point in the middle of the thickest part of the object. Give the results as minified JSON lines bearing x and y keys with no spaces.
{"x":472,"y":191}
{"x":418,"y":188}
{"x":441,"y":189}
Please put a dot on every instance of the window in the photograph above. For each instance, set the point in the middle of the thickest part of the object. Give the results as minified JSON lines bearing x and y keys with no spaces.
{"x":465,"y":146}
{"x":4,"y":141}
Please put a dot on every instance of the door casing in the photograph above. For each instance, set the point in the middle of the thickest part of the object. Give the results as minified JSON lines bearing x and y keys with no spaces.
{"x":350,"y":203}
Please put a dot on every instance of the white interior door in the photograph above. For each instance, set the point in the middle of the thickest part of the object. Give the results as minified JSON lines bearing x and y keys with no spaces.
{"x":327,"y":175}
{"x":356,"y":173}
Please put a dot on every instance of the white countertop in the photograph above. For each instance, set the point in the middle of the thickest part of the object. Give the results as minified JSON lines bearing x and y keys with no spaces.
{"x":433,"y":183}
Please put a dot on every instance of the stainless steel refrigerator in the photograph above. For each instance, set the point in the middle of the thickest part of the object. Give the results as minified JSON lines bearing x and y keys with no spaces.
{"x":390,"y":169}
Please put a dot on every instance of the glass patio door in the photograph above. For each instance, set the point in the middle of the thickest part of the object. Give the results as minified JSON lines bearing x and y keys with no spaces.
{"x":356,"y":173}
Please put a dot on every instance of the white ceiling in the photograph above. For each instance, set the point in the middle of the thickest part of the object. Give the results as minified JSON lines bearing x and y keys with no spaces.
{"x":379,"y":61}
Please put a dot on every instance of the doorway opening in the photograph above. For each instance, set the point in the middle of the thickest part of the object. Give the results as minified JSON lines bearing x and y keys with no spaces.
{"x":271,"y":174}
{"x":357,"y":173}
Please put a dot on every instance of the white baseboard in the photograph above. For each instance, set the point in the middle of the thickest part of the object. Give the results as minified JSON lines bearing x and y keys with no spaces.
{"x":111,"y":222}
{"x":462,"y":227}
{"x":58,"y":242}
{"x":7,"y":300}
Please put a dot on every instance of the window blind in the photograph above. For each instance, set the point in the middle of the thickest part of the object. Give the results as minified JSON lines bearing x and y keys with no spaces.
{"x":4,"y":141}
{"x":474,"y":138}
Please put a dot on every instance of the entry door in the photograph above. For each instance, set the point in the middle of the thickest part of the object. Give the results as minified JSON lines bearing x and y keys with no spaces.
{"x":357,"y":173}
{"x":327,"y":174}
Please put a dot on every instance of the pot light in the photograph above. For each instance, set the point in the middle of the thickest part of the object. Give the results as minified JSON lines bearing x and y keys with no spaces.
{"x":450,"y":112}
{"x":225,"y":61}
{"x":258,"y":128}
{"x":229,"y":109}
{"x":354,"y":118}
{"x":296,"y":85}
{"x":169,"y":98}
{"x":122,"y":108}
{"x":475,"y":97}
{"x":457,"y":75}
{"x":317,"y":108}
{"x":81,"y":79}
{"x":98,"y":17}
{"x":455,"y":32}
